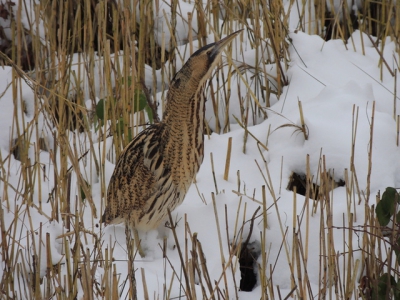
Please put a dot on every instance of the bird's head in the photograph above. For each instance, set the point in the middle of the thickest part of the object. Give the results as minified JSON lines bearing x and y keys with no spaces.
{"x":200,"y":65}
{"x":207,"y":57}
{"x":189,"y":81}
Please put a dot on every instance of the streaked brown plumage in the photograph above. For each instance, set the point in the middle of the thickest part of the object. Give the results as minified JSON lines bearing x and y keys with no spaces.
{"x":156,"y":169}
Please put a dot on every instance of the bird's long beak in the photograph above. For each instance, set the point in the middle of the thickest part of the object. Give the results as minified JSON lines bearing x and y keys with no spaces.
{"x":220,"y":45}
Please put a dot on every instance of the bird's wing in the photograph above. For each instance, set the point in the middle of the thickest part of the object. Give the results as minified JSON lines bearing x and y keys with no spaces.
{"x":138,"y":176}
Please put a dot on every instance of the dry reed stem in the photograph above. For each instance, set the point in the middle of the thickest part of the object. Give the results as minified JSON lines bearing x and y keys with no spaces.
{"x":53,"y":80}
{"x":213,"y":173}
{"x":228,"y":159}
{"x":370,"y":152}
{"x":397,"y":130}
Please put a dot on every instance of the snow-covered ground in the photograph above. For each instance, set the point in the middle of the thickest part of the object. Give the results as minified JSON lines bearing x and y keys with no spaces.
{"x":333,"y":81}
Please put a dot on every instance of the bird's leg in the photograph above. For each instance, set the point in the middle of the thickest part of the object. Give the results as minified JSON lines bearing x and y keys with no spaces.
{"x":137,"y":242}
{"x":131,"y":269}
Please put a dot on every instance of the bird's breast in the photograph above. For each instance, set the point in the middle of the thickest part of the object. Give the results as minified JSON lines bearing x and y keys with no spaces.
{"x":185,"y":154}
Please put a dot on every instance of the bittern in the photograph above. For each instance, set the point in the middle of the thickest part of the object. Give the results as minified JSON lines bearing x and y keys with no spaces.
{"x":156,"y":169}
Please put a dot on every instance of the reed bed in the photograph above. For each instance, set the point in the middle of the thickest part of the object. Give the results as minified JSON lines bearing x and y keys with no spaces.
{"x":116,"y":48}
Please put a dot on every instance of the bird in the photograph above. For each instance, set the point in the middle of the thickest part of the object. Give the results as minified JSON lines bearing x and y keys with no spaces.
{"x":155,"y":170}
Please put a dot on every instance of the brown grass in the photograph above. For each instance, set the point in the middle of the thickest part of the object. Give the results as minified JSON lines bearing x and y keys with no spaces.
{"x":99,"y":31}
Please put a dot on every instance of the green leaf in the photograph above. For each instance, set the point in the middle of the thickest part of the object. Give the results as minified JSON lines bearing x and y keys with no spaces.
{"x":96,"y":123}
{"x":130,"y":135}
{"x":397,"y":290}
{"x":385,"y":208}
{"x":390,"y":194}
{"x":382,"y":214}
{"x":129,"y":80}
{"x":83,"y":195}
{"x":100,"y":106}
{"x":139,"y":101}
{"x":119,"y":129}
{"x":396,"y":248}
{"x":383,"y":284}
{"x":149,"y":113}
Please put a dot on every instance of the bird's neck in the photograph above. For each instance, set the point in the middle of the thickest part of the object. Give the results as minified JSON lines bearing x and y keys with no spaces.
{"x":185,"y":102}
{"x":184,"y":120}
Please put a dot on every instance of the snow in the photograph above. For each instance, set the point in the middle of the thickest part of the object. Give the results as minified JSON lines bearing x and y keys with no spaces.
{"x":162,"y":17}
{"x":331,"y":79}
{"x":26,"y":17}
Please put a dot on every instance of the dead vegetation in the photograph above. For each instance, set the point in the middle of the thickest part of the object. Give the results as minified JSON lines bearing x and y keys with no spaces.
{"x":97,"y":32}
